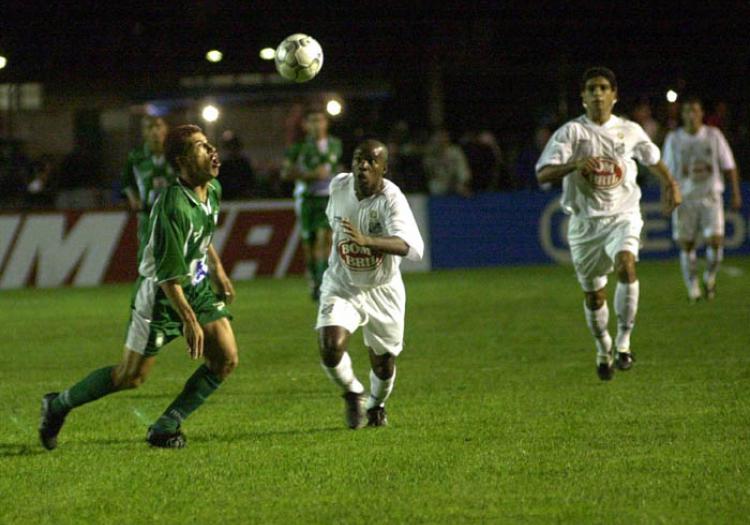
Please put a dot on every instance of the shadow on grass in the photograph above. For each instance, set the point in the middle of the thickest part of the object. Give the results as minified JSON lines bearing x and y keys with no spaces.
{"x":8,"y":450}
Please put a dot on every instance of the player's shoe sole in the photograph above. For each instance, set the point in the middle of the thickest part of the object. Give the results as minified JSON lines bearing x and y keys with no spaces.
{"x":354,"y":410}
{"x":376,"y":417}
{"x":624,"y":361}
{"x":50,"y":424}
{"x":166,"y":439}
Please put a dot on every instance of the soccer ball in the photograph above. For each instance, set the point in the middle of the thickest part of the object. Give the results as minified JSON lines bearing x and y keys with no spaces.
{"x":299,"y":57}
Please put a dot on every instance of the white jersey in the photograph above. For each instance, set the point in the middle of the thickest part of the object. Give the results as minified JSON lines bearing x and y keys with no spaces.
{"x":612,"y":189}
{"x":384,"y":214}
{"x":697,"y":161}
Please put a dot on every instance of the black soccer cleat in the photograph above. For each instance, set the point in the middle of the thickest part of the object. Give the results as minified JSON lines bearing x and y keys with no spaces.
{"x":166,"y":439}
{"x":624,"y":360}
{"x":354,"y":412}
{"x":376,"y":417}
{"x":50,"y":425}
{"x":605,"y":371}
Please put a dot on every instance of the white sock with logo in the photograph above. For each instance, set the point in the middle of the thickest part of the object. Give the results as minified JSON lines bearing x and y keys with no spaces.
{"x":380,"y":389}
{"x":626,"y":306}
{"x":688,"y":263}
{"x":713,"y":260}
{"x":343,"y":375}
{"x":597,"y":320}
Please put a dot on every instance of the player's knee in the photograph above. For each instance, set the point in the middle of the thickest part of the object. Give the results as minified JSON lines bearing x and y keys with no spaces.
{"x":625,"y":267}
{"x":332,"y":346}
{"x":595,"y":300}
{"x":226,"y":366}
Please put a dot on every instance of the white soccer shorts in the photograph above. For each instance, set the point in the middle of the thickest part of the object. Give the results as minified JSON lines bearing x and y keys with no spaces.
{"x":693,"y":220}
{"x":379,"y":311}
{"x":594,"y":243}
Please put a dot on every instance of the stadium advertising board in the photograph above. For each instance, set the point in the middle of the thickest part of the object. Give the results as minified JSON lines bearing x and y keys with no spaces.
{"x":50,"y":249}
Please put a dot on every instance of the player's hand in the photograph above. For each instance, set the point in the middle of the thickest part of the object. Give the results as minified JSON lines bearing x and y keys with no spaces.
{"x":671,"y":197}
{"x":587,"y":166}
{"x":194,"y":337}
{"x":736,"y":202}
{"x":223,"y":285}
{"x":353,"y":233}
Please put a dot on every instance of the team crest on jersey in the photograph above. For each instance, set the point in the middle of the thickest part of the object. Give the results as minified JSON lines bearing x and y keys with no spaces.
{"x":358,"y":258}
{"x":608,"y":174}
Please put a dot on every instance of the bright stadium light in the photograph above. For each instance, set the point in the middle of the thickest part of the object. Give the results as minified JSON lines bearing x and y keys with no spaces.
{"x":210,"y":113}
{"x":268,"y":53}
{"x":671,"y":96}
{"x":3,"y":62}
{"x":214,"y":56}
{"x":333,"y":107}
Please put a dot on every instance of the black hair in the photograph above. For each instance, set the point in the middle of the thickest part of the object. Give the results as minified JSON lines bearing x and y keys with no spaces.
{"x":599,"y":71}
{"x":176,"y":144}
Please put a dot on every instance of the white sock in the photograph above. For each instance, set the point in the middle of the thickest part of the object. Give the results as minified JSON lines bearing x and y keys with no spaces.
{"x":713,"y":260}
{"x":380,"y":389}
{"x":626,"y":306}
{"x":598,"y":321}
{"x":343,"y":375}
{"x":689,"y":271}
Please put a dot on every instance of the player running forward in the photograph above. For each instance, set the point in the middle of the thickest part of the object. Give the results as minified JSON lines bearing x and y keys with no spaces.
{"x":373,"y":228}
{"x":698,"y":156}
{"x":593,"y":156}
{"x":172,"y":296}
{"x":311,"y":163}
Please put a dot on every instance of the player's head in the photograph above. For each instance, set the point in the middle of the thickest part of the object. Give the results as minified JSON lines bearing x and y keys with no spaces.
{"x":598,"y":91}
{"x":369,"y":165}
{"x":187,"y":149}
{"x":316,"y":122}
{"x":154,"y":131}
{"x":692,"y":112}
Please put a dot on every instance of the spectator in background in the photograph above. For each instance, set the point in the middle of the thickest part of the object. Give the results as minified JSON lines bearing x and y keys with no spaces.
{"x":405,"y":159}
{"x":238,"y":179}
{"x":39,"y":194}
{"x":642,"y":115}
{"x":485,"y":159}
{"x":446,"y":167}
{"x":720,"y":118}
{"x":15,"y":171}
{"x":79,"y":175}
{"x":526,"y":162}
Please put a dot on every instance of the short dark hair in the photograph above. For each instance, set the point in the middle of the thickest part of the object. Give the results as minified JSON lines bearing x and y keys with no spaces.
{"x":599,"y":71}
{"x":691,"y":99}
{"x":313,"y":110}
{"x":176,"y":144}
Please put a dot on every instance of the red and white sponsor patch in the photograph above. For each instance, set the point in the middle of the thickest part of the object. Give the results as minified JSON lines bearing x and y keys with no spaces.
{"x":358,"y":258}
{"x":608,"y":174}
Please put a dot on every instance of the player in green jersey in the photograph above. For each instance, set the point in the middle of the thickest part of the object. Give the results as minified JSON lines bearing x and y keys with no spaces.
{"x":312,"y":163}
{"x":147,"y":171}
{"x":172,"y":296}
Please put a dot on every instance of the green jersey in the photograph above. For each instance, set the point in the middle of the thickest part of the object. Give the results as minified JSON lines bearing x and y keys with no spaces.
{"x":310,"y":154}
{"x":180,"y":229}
{"x":147,"y":175}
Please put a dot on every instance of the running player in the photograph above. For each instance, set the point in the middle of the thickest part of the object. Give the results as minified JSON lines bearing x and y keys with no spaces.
{"x":172,"y":296}
{"x":373,"y":229}
{"x":699,"y":155}
{"x":593,"y":156}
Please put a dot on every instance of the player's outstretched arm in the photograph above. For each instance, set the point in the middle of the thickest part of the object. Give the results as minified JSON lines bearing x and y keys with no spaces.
{"x":191,"y":328}
{"x":734,"y":181}
{"x":391,"y":245}
{"x":219,"y":277}
{"x":670,"y":190}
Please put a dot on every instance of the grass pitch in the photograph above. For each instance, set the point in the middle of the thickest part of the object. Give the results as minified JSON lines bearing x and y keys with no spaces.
{"x":497,"y":415}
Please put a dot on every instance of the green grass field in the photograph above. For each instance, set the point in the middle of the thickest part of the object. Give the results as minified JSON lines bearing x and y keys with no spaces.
{"x":497,"y":415}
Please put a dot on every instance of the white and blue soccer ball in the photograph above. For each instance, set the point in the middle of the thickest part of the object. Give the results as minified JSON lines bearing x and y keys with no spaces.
{"x":299,"y":57}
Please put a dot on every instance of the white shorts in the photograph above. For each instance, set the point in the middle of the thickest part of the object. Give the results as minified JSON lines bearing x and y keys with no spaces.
{"x":693,"y":220}
{"x":594,"y":243}
{"x":379,"y":311}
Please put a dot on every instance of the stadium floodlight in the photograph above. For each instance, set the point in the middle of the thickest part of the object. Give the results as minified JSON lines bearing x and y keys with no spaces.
{"x":210,"y":113}
{"x":671,"y":96}
{"x":3,"y":62}
{"x":333,"y":107}
{"x":214,"y":56}
{"x":268,"y":53}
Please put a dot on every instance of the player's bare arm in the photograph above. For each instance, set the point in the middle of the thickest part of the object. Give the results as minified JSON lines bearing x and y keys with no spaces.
{"x":555,"y":173}
{"x":670,"y":190}
{"x":133,"y":201}
{"x":219,"y":278}
{"x":733,"y":179}
{"x":191,"y":328}
{"x":391,"y":245}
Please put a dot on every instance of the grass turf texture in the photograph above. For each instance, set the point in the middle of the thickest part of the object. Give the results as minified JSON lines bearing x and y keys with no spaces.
{"x":497,"y":416}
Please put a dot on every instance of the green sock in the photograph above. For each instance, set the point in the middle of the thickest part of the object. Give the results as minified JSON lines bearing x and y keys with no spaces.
{"x":320,"y":269}
{"x":312,"y":269}
{"x":95,"y":385}
{"x":201,"y":384}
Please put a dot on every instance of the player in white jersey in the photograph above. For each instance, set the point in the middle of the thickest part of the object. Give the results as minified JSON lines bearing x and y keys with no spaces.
{"x":594,"y":156}
{"x":700,"y":159}
{"x":373,"y":229}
